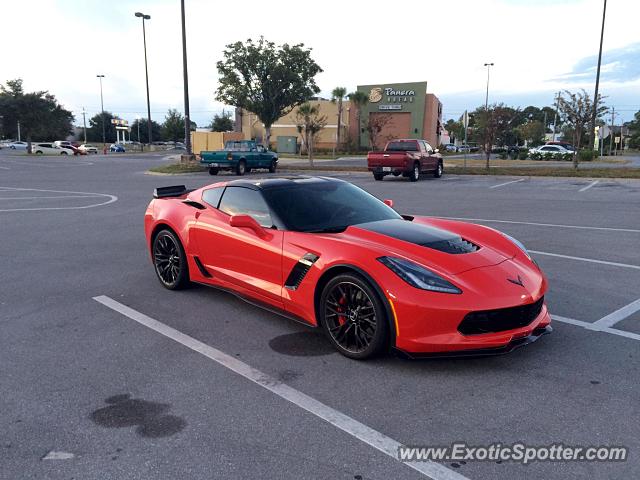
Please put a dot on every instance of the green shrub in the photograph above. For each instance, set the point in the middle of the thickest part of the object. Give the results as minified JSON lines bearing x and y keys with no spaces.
{"x":567,"y":157}
{"x":523,"y":155}
{"x":536,"y":156}
{"x":503,"y":155}
{"x":586,"y":155}
{"x":548,"y":156}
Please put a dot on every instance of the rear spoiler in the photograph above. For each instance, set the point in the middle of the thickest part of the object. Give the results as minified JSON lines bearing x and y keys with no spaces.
{"x":173,"y":191}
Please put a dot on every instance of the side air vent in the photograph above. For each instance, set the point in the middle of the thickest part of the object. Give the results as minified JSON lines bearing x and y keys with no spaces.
{"x":299,"y":271}
{"x":454,"y":246}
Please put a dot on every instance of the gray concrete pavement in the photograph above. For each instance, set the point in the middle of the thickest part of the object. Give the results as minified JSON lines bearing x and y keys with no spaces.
{"x":127,"y":402}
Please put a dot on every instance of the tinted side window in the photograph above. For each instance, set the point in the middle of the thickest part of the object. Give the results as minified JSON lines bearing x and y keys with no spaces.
{"x":428,"y":147}
{"x":212,"y":196}
{"x":245,"y":201}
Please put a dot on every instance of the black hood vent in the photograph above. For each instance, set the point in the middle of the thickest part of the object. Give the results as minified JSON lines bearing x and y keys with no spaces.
{"x":423,"y":235}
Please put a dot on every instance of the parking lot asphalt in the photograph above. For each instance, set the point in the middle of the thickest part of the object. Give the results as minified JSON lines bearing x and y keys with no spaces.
{"x":88,"y":392}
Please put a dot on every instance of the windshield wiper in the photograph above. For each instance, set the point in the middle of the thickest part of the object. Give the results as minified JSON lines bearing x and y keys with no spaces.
{"x":338,"y":229}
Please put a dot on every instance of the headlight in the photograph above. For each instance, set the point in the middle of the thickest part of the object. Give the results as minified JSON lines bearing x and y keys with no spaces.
{"x":518,"y":244}
{"x":418,"y":276}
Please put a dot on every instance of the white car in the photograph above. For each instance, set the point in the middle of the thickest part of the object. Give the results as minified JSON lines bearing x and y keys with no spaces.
{"x":18,"y":145}
{"x":555,"y":150}
{"x":50,"y":149}
{"x":88,"y":148}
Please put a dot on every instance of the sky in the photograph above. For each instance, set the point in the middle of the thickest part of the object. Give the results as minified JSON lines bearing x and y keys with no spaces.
{"x":538,"y":47}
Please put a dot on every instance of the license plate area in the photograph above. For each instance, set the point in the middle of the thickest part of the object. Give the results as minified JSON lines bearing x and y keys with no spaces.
{"x":386,"y":169}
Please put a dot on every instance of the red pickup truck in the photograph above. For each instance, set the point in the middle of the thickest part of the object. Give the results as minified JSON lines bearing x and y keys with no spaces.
{"x":409,"y":157}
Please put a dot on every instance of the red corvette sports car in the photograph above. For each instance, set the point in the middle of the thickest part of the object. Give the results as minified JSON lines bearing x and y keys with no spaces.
{"x":331,"y":255}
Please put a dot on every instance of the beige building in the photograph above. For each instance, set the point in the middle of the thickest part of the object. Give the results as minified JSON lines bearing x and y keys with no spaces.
{"x":252,"y":127}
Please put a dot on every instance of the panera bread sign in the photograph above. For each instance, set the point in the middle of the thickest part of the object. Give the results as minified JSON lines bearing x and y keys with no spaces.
{"x":393,"y":96}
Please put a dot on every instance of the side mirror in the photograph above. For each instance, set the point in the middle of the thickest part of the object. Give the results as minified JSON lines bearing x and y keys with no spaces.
{"x":247,"y":221}
{"x":388,"y":203}
{"x":437,"y":150}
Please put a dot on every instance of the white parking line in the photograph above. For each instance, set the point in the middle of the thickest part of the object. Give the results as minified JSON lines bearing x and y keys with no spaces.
{"x":615,"y":317}
{"x":595,"y":182}
{"x":589,"y":260}
{"x":557,"y":225}
{"x":595,"y":328}
{"x":59,"y":196}
{"x":109,"y":199}
{"x":362,"y":432}
{"x":5,"y":168}
{"x":507,"y":183}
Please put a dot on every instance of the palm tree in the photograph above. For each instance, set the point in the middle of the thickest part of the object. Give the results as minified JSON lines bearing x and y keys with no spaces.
{"x":309,"y":122}
{"x":359,"y":100}
{"x":337,"y":95}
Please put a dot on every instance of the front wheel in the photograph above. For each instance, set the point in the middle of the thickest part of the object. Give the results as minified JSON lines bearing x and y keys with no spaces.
{"x":273,"y":166}
{"x":170,"y":260}
{"x":213,"y":171}
{"x":378,"y":176}
{"x":241,"y":169}
{"x":353,"y":317}
{"x":414,"y":176}
{"x":439,"y":170}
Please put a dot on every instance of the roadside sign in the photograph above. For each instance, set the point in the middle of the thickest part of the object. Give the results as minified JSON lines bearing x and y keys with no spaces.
{"x":617,"y":140}
{"x":465,"y":119}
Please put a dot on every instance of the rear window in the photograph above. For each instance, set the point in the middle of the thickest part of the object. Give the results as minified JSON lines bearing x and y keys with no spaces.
{"x":402,"y":147}
{"x":237,"y":146}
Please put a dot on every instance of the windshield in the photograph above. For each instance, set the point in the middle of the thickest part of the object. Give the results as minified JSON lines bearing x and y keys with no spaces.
{"x":325,"y":206}
{"x":402,"y":147}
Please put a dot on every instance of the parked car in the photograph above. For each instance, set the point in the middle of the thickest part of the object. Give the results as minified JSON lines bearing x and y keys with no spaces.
{"x":117,"y":148}
{"x":69,"y":145}
{"x":554,"y":150}
{"x":240,"y":156}
{"x":451,"y":147}
{"x":86,"y":148}
{"x":565,"y":145}
{"x":18,"y":145}
{"x":406,"y":157}
{"x":50,"y":149}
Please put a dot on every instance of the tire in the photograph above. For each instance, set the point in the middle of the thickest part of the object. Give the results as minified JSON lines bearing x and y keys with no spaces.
{"x":273,"y":166}
{"x":241,"y":169}
{"x":353,"y":317}
{"x":213,"y":171}
{"x":63,"y":153}
{"x":39,"y":152}
{"x":169,"y":260}
{"x":378,"y":176}
{"x":439,"y":170}
{"x":414,"y":176}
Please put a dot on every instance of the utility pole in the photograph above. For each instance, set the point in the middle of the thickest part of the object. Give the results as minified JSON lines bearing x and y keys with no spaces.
{"x":595,"y":95}
{"x":84,"y":124}
{"x":187,"y":117}
{"x":611,"y":134}
{"x":486,"y":112}
{"x":104,"y":141}
{"x":146,"y":70}
{"x":18,"y":130}
{"x":555,"y":117}
{"x":545,"y":126}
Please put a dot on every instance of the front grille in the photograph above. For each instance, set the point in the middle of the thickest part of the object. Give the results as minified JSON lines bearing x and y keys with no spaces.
{"x":500,"y":320}
{"x":455,"y":246}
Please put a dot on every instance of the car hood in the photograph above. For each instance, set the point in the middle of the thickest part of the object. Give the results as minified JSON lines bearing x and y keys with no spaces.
{"x":443,"y":250}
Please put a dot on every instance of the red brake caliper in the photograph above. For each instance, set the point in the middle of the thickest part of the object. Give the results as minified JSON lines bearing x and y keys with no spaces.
{"x":341,"y":314}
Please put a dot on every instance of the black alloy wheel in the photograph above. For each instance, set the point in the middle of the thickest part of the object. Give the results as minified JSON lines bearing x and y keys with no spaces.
{"x":170,"y":261}
{"x":353,"y":317}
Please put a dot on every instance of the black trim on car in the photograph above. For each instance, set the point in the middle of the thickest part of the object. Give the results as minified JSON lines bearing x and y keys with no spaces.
{"x":300,"y":270}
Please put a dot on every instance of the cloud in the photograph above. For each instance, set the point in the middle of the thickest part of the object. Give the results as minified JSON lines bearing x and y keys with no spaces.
{"x":619,"y":65}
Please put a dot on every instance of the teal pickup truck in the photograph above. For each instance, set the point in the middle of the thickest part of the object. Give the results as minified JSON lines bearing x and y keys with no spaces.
{"x":240,"y":156}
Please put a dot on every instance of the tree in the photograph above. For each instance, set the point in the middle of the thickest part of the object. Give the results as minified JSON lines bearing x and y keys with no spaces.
{"x":494,"y":126}
{"x":156,"y":130}
{"x":309,"y":122}
{"x":374,"y":126}
{"x":533,"y":132}
{"x":455,"y":129}
{"x":359,"y":100}
{"x":266,"y":79}
{"x":337,"y":95}
{"x":634,"y":131}
{"x":576,"y":109}
{"x":94,"y":131}
{"x":222,"y":123}
{"x":39,"y":113}
{"x":173,"y":126}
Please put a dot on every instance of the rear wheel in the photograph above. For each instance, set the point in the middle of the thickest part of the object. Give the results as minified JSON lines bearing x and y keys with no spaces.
{"x":414,"y":176}
{"x":241,"y":169}
{"x":273,"y":166}
{"x":63,"y":153}
{"x":39,"y":152}
{"x":213,"y":171}
{"x":353,"y":317}
{"x":170,"y":260}
{"x":439,"y":170}
{"x":378,"y":176}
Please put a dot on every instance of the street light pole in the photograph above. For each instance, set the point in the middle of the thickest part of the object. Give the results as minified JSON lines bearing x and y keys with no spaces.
{"x":187,"y":117}
{"x":84,"y":124}
{"x":486,"y":111}
{"x":100,"y":77}
{"x":146,"y":70}
{"x":595,"y":95}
